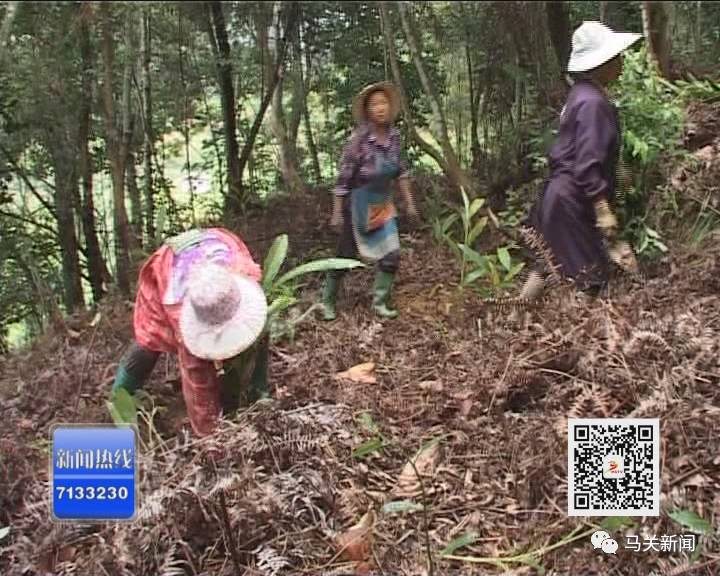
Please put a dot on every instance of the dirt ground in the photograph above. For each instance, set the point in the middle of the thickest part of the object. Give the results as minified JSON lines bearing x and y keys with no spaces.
{"x":494,"y":395}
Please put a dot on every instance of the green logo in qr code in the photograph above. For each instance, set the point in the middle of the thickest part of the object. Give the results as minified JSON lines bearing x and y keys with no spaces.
{"x":613,"y":467}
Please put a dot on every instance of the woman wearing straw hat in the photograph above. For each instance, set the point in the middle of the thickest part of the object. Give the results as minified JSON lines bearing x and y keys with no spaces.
{"x":574,"y":212}
{"x":363,"y":210}
{"x":199,"y":296}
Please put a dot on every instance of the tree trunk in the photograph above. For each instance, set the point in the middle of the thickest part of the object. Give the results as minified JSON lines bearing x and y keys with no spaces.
{"x":281,"y":128}
{"x":66,"y":182}
{"x":96,"y":265}
{"x":449,"y":165}
{"x":656,"y":28}
{"x":221,"y":49}
{"x":305,"y":82}
{"x":603,"y":5}
{"x":416,"y":52}
{"x":289,"y":27}
{"x":148,"y":152}
{"x":117,"y":154}
{"x":135,"y":202}
{"x":423,"y":144}
{"x":474,"y":137}
{"x":558,"y":21}
{"x":186,"y":120}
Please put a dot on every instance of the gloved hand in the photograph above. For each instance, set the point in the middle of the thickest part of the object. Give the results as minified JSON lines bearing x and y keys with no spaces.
{"x":606,"y":221}
{"x":623,"y":256}
{"x":336,"y":220}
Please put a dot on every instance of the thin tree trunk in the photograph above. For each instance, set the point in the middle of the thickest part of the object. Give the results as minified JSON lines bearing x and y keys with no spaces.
{"x":186,"y":121}
{"x":282,"y":129}
{"x":656,"y":27}
{"x":117,"y":155}
{"x":558,"y":21}
{"x":474,"y":139}
{"x":603,"y":5}
{"x":66,"y":182}
{"x":221,"y":49}
{"x":135,"y":202}
{"x":289,"y":27}
{"x":96,"y":265}
{"x":305,"y":83}
{"x":148,"y":152}
{"x":446,"y":159}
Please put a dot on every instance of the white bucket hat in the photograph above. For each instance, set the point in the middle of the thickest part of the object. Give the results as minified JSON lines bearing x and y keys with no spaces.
{"x":222,"y":314}
{"x":594,"y":44}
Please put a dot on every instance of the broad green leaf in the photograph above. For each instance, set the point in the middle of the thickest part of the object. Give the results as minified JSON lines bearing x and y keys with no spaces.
{"x":471,"y":254}
{"x":368,"y":423}
{"x":661,"y":246}
{"x":613,"y":523}
{"x":650,"y":232}
{"x":367,"y":448}
{"x":692,"y":521}
{"x":475,"y":206}
{"x":466,"y":201}
{"x":504,"y":257}
{"x":474,"y":275}
{"x":460,"y":542}
{"x":477,"y":229}
{"x":643,"y":244}
{"x":319,"y":266}
{"x":122,"y":408}
{"x":4,"y":532}
{"x":449,"y":221}
{"x":274,"y":260}
{"x":514,"y":271}
{"x":493,"y":272}
{"x":401,"y":506}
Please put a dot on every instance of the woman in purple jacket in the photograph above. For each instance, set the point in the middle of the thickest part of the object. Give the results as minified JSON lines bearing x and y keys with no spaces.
{"x":574,"y":213}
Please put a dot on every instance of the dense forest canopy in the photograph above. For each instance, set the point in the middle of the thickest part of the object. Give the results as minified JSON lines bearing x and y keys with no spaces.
{"x":123,"y":122}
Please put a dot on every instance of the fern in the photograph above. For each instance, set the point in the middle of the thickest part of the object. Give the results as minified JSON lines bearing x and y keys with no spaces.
{"x":270,"y":562}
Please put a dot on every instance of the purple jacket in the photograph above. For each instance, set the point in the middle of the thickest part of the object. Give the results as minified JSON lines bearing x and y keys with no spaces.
{"x":357,"y":163}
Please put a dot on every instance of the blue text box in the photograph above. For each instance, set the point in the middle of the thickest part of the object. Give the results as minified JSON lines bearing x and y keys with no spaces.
{"x":94,"y":473}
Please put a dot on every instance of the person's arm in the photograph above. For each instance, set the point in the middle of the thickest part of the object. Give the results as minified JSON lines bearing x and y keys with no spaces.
{"x":595,"y":132}
{"x":404,"y":182}
{"x":135,"y":367}
{"x":346,"y":173}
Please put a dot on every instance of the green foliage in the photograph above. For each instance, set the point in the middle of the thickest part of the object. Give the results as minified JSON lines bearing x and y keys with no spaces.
{"x":692,"y":521}
{"x":496,"y":270}
{"x":460,"y":542}
{"x":652,"y":119}
{"x":282,"y":292}
{"x":122,"y":407}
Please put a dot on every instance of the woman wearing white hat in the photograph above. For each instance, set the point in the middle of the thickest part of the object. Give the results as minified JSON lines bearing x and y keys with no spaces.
{"x":199,"y":296}
{"x":573,"y":212}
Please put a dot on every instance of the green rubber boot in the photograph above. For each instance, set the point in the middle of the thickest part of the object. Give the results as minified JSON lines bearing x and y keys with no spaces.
{"x":383,"y":285}
{"x":329,"y":296}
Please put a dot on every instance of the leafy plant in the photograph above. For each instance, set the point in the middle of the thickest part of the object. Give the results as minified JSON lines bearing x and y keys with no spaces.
{"x":281,"y":292}
{"x":651,"y":116}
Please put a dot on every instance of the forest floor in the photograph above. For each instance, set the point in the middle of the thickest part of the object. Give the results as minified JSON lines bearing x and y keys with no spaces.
{"x":299,"y":472}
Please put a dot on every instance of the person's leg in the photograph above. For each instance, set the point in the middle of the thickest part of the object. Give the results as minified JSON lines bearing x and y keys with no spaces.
{"x":259,"y":385}
{"x":346,"y":248}
{"x":135,"y":368}
{"x":385,"y":275}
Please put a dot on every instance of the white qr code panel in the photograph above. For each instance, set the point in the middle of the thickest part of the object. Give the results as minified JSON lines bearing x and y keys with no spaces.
{"x":613,"y":467}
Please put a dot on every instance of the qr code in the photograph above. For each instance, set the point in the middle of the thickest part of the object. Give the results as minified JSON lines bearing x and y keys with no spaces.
{"x":614,"y":467}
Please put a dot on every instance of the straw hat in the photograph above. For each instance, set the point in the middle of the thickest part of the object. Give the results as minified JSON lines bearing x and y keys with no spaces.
{"x":358,"y":108}
{"x":222,"y":314}
{"x":594,"y":44}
